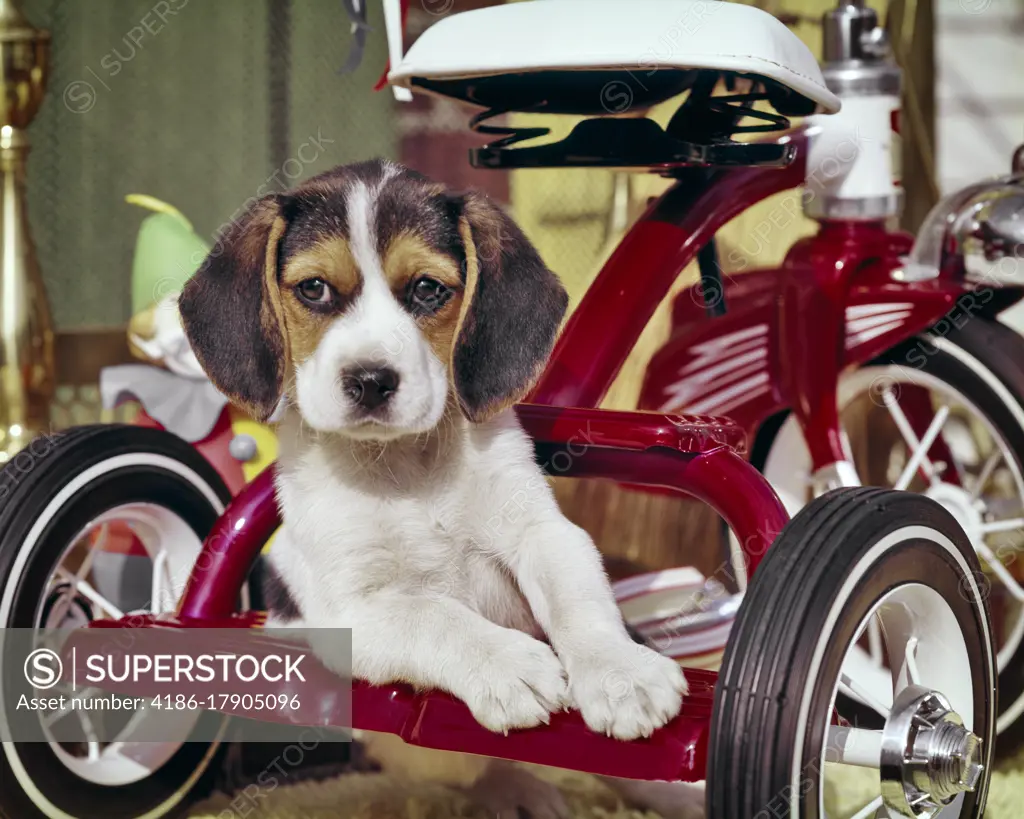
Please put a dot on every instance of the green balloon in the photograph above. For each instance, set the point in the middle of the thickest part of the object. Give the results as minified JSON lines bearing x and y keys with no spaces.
{"x":167,"y":253}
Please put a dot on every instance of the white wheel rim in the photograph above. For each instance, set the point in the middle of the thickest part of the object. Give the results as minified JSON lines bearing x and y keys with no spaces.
{"x":788,"y":469}
{"x":171,"y":547}
{"x":139,"y":758}
{"x":920,"y":626}
{"x":911,"y":612}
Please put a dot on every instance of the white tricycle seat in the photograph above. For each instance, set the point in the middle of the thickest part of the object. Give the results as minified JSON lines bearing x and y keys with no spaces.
{"x":607,"y":56}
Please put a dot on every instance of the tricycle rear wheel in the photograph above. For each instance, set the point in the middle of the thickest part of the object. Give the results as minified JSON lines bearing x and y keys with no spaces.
{"x":974,"y":373}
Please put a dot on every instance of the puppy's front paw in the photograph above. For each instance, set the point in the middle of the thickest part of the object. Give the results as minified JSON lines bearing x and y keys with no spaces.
{"x":626,"y":690}
{"x":518,"y":686}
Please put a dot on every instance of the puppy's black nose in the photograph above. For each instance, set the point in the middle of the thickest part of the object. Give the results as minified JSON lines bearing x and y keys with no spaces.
{"x":369,"y":388}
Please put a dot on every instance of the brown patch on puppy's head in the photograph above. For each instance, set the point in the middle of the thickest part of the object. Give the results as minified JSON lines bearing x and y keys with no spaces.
{"x":407,"y":258}
{"x":330,"y":260}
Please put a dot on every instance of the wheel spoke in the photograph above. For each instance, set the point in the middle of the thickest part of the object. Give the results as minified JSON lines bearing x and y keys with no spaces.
{"x":1007,"y":525}
{"x":170,"y":584}
{"x":51,"y":719}
{"x":908,"y":674}
{"x":870,"y":809}
{"x":64,"y":604}
{"x":854,"y":746}
{"x":158,"y":577}
{"x":86,"y":590}
{"x":919,"y":453}
{"x":999,"y":570}
{"x":854,"y":690}
{"x":133,"y":755}
{"x":910,"y":658}
{"x":986,"y":472}
{"x":902,"y":636}
{"x":892,"y":403}
{"x":61,"y":609}
{"x":56,"y":716}
{"x":101,"y":542}
{"x":89,"y":732}
{"x":875,"y":640}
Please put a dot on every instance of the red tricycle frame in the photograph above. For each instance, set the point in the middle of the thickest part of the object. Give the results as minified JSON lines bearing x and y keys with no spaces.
{"x":845,"y":263}
{"x":795,"y":324}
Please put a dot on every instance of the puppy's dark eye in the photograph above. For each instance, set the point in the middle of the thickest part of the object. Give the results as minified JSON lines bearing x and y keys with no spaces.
{"x":315,"y":292}
{"x":427,"y":295}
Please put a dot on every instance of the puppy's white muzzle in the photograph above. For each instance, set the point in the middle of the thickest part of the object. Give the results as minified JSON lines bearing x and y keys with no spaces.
{"x":373,"y":374}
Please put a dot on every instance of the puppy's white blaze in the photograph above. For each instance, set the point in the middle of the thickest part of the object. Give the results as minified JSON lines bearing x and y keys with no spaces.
{"x":361,"y":229}
{"x":375,"y":331}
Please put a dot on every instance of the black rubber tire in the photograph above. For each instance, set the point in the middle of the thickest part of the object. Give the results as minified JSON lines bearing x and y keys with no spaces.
{"x":769,"y":656}
{"x":979,"y":342}
{"x":29,"y":485}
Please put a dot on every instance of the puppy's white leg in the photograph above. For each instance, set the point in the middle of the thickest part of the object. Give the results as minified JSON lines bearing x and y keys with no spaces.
{"x":623,"y":689}
{"x":670,"y":800}
{"x":507,"y":678}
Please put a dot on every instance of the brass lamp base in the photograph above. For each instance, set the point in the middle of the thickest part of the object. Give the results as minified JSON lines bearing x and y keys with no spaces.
{"x":26,"y":329}
{"x":15,"y":439}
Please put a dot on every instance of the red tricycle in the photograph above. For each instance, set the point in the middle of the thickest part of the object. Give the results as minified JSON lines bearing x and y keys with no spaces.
{"x":855,"y":565}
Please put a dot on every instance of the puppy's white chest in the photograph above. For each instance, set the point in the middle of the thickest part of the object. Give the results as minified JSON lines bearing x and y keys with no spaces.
{"x":442,"y":550}
{"x":431,"y":544}
{"x":413,"y":527}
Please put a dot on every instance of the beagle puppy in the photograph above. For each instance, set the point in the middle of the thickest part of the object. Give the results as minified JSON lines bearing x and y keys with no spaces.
{"x":399,"y":322}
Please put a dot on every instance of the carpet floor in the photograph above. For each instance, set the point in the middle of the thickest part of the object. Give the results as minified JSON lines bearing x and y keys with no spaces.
{"x":378,"y":796}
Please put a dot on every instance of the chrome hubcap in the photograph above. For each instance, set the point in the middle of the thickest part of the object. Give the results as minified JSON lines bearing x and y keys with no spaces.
{"x":924,"y":756}
{"x":928,"y":756}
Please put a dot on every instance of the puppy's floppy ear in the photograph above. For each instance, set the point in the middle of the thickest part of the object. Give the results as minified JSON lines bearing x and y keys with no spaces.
{"x":232,"y":313}
{"x":511,"y":311}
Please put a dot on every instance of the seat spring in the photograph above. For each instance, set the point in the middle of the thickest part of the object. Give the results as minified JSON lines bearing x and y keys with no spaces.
{"x":736,"y":103}
{"x":510,"y":135}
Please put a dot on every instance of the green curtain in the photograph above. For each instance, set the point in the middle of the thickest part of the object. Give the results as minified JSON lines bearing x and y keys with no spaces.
{"x":202,"y":104}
